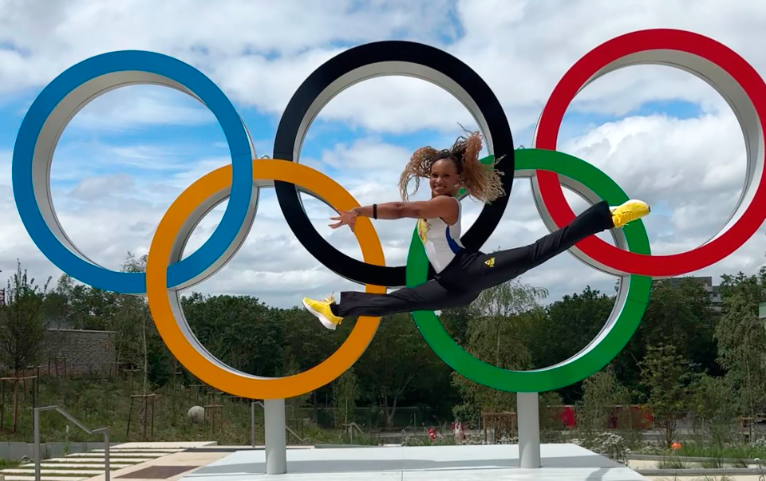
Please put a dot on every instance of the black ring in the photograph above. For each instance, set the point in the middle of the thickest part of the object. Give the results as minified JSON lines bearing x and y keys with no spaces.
{"x":301,"y":110}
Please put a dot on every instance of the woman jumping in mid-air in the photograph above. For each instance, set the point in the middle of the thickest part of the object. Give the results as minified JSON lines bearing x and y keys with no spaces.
{"x":461,"y":274}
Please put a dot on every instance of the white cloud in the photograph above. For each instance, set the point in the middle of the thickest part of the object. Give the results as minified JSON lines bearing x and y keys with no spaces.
{"x":266,"y":51}
{"x":638,"y":153}
{"x":269,"y":49}
{"x":5,"y":167}
{"x":94,"y":188}
{"x":133,"y":107}
{"x":691,"y":169}
{"x":370,"y":155}
{"x":193,"y":30}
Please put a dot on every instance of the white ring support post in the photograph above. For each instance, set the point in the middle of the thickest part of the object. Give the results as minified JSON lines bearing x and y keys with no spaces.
{"x":276,"y":437}
{"x":528,"y":409}
{"x":252,"y":424}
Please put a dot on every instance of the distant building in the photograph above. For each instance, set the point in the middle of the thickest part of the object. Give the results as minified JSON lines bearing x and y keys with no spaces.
{"x":76,"y":352}
{"x":79,"y":351}
{"x":707,"y":282}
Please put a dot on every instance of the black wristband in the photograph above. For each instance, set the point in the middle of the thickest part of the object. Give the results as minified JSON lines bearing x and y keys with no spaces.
{"x":374,"y":211}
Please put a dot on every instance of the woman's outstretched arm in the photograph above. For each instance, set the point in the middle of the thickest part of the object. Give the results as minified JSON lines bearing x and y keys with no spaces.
{"x":441,"y":206}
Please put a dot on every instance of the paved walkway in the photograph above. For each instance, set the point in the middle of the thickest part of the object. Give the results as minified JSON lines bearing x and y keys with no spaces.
{"x":123,"y":459}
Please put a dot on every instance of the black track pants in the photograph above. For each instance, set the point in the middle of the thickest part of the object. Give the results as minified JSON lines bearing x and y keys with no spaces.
{"x":469,"y":273}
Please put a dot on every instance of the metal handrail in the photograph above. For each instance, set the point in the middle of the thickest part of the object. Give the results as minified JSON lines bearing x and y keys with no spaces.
{"x":104,"y":430}
{"x":252,"y":425}
{"x":350,"y":427}
{"x":355,"y":425}
{"x":294,"y":434}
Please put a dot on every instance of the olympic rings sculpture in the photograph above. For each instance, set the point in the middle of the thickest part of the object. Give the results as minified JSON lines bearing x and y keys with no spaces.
{"x":168,"y":273}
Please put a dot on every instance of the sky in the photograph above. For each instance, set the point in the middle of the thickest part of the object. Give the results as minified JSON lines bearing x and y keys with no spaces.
{"x":664,"y":135}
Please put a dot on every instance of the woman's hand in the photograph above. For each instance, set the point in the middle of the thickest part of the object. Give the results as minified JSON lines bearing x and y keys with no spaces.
{"x":346,"y":218}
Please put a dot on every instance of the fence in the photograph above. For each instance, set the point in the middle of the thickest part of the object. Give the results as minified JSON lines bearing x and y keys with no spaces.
{"x":366,"y":417}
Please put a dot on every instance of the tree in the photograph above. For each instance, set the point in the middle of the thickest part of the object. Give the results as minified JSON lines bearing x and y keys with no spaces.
{"x":455,"y":321}
{"x":569,"y":326}
{"x":665,"y":373}
{"x":397,"y":361}
{"x":601,"y":392}
{"x":22,"y":327}
{"x":509,"y":299}
{"x":713,"y":409}
{"x":134,"y":313}
{"x":599,"y":407}
{"x":498,"y":333}
{"x":678,"y":314}
{"x":572,"y":323}
{"x":701,"y":349}
{"x":239,"y":330}
{"x":85,"y":307}
{"x":741,"y":336}
{"x":22,"y":322}
{"x":345,"y":394}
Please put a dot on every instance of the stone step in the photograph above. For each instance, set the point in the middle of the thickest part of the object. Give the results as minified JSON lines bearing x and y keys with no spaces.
{"x":99,"y":460}
{"x":15,"y":477}
{"x":116,"y":454}
{"x":166,"y":444}
{"x":140,"y":450}
{"x":77,"y":466}
{"x":66,"y":472}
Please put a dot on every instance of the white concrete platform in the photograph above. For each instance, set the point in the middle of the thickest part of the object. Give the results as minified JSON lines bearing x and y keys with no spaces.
{"x":446,"y":463}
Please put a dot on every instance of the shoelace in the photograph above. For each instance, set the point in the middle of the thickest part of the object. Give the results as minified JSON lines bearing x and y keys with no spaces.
{"x":628,"y":216}
{"x":624,"y":217}
{"x":331,"y":300}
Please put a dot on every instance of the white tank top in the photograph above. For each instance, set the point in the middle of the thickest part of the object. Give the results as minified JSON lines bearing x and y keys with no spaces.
{"x":441,"y":241}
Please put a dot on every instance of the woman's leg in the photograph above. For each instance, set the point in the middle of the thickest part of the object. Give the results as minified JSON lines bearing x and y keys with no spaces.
{"x":470,"y":273}
{"x":475,"y":272}
{"x":502,"y":266}
{"x":428,"y":296}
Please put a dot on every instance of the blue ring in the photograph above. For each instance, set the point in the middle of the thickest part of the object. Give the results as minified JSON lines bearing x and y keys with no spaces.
{"x":199,"y":85}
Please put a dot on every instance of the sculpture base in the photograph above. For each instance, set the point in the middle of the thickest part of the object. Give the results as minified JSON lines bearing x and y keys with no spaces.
{"x":445,"y":463}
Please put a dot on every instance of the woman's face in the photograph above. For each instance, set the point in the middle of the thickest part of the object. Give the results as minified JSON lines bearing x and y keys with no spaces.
{"x":444,"y":178}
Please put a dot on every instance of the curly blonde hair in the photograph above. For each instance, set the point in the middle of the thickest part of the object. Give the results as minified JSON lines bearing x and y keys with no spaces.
{"x":480,"y":181}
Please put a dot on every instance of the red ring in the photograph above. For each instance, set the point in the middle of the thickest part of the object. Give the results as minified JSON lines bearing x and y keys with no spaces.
{"x":564,"y":93}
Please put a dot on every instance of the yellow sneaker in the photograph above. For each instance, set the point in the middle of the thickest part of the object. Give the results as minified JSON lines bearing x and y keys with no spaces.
{"x":629,"y":211}
{"x":321,"y":309}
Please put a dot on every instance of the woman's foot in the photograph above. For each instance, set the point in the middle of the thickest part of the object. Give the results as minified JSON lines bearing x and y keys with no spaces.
{"x":323,"y":311}
{"x":629,"y":211}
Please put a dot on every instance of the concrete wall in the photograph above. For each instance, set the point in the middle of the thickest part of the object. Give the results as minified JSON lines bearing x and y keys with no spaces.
{"x":16,"y":451}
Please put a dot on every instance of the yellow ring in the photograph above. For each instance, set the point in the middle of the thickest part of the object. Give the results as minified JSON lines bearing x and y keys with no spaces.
{"x":230,"y":380}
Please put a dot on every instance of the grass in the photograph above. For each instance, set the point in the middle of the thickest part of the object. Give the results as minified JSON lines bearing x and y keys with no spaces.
{"x":739,"y":463}
{"x":672,"y":463}
{"x":8,"y":463}
{"x":106,"y":402}
{"x":735,"y":451}
{"x":98,"y":402}
{"x":713,"y":463}
{"x":102,"y":402}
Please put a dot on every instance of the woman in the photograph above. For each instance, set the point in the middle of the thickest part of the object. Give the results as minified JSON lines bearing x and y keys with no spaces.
{"x":461,"y":274}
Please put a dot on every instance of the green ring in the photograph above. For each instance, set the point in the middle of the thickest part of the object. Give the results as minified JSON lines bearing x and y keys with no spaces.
{"x":579,"y":366}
